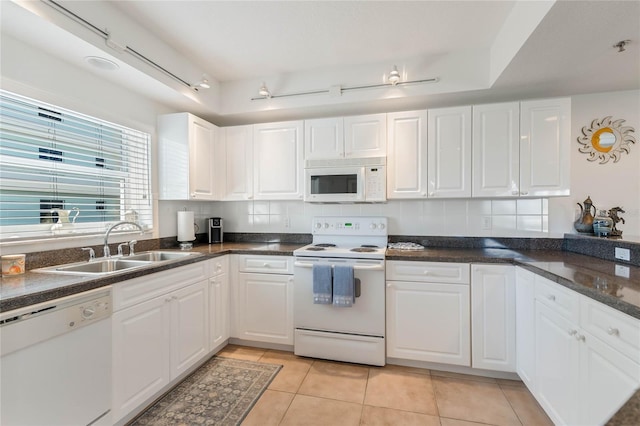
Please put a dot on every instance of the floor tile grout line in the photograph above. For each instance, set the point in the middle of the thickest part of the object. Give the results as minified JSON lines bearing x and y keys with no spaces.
{"x":510,"y":405}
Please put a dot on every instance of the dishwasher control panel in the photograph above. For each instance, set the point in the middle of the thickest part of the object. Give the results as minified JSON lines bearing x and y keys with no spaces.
{"x":93,"y":310}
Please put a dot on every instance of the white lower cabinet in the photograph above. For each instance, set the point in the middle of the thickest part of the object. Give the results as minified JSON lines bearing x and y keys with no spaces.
{"x":580,"y":379}
{"x":157,"y":339}
{"x":219,"y":302}
{"x":428,"y":312}
{"x":264,"y":299}
{"x":526,"y":327}
{"x":493,"y":315}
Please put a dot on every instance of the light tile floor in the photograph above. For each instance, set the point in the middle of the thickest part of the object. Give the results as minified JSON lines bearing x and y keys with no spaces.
{"x":324,"y":393}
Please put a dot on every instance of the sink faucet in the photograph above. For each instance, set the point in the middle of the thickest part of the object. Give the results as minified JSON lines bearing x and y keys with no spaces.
{"x":107,"y":252}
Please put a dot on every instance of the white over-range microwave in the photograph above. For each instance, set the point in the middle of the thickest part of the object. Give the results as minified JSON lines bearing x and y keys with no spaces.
{"x":353,"y":180}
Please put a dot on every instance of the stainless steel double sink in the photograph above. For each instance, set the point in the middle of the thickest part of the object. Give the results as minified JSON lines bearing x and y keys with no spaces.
{"x":112,"y":265}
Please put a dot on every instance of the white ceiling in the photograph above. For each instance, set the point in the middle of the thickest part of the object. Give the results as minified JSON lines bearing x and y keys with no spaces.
{"x":306,"y":45}
{"x":236,"y":40}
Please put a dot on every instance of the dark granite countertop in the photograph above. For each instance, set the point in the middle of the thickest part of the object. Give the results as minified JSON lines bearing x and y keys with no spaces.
{"x":613,"y":284}
{"x":36,"y":287}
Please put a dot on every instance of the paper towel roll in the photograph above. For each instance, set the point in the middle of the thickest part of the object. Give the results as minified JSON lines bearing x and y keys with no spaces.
{"x":185,"y":226}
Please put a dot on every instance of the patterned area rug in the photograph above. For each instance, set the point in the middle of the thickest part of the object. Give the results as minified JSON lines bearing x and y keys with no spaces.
{"x":221,"y":392}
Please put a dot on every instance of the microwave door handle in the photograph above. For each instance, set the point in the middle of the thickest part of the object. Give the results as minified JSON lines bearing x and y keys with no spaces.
{"x":379,"y":267}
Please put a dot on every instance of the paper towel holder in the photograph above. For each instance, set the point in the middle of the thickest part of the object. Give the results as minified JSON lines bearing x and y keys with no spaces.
{"x":186,"y":229}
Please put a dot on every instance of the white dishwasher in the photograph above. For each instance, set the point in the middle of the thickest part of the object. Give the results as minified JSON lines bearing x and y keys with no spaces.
{"x":55,"y":364}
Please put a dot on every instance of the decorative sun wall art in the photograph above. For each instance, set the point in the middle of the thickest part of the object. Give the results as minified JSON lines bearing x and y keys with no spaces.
{"x":606,"y":139}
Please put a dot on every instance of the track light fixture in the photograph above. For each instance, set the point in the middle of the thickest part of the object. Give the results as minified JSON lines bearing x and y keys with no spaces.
{"x":393,"y":79}
{"x":202,"y":84}
{"x":621,"y":44}
{"x":264,"y":92}
{"x":394,"y":76}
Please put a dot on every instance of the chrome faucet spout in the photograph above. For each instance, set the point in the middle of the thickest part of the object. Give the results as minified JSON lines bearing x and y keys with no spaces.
{"x":107,"y":252}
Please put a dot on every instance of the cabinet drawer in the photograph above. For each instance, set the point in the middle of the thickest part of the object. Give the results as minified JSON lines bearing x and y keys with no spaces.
{"x":561,"y":300}
{"x":616,"y":329}
{"x":266,"y":264}
{"x":137,"y":290}
{"x":219,"y":266}
{"x":435,"y":272}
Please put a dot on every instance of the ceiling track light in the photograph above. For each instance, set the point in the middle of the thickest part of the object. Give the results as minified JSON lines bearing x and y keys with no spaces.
{"x":264,"y":92}
{"x":621,"y":44}
{"x":111,"y":42}
{"x":394,"y":76}
{"x":337,"y":89}
{"x":202,"y":84}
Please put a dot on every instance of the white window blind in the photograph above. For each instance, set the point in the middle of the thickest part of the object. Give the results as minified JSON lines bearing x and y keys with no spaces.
{"x":64,"y":173}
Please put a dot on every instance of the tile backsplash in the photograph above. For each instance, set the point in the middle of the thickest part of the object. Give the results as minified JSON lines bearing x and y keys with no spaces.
{"x":513,"y":217}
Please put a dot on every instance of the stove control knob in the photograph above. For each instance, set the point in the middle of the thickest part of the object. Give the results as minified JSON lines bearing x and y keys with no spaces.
{"x":318,"y":225}
{"x":326,"y":225}
{"x":381,"y":226}
{"x":373,"y":226}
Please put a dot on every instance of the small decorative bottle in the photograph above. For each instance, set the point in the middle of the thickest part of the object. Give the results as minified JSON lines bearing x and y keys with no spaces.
{"x":602,"y":224}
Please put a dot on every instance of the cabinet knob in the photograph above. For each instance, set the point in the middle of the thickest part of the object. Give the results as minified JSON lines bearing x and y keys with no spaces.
{"x":515,"y":192}
{"x":266,"y":265}
{"x":426,"y":273}
{"x":581,"y":338}
{"x":573,"y":332}
{"x":167,"y":300}
{"x":524,"y":193}
{"x":431,"y":194}
{"x":551,"y":297}
{"x":249,"y":197}
{"x":613,"y":331}
{"x":424,"y":194}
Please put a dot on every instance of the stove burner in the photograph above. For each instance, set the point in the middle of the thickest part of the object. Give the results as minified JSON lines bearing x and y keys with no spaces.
{"x":369,"y":246}
{"x":315,"y":248}
{"x":363,"y":250}
{"x":325,"y":245}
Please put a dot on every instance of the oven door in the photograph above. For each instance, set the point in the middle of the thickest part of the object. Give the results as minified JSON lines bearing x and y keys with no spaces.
{"x":334,"y":184}
{"x":365,"y":317}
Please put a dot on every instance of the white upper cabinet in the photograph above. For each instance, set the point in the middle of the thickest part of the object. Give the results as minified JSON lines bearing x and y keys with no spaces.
{"x":449,"y":152}
{"x":238,"y":164}
{"x":407,"y":154}
{"x":360,"y":136}
{"x":324,"y":138}
{"x":365,"y":136}
{"x":545,"y":132}
{"x":496,"y":150}
{"x":186,"y":150}
{"x":278,"y":161}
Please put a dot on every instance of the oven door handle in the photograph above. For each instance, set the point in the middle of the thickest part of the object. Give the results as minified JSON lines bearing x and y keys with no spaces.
{"x":378,"y":267}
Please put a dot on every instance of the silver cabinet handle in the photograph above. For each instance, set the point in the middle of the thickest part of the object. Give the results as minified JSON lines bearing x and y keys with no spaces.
{"x":573,"y":332}
{"x":551,"y":297}
{"x":581,"y":338}
{"x":613,"y":331}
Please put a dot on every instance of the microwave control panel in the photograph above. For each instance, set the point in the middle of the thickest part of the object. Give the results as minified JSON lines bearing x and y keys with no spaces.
{"x":375,"y":184}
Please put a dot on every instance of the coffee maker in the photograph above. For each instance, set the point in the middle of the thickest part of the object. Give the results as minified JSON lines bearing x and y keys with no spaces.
{"x":214,"y":229}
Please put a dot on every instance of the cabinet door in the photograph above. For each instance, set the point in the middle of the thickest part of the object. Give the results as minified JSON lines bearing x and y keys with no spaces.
{"x":428,"y":322}
{"x":324,"y":138}
{"x":189,"y":328}
{"x":449,"y":152}
{"x":607,"y":380}
{"x":238,"y":163}
{"x":496,"y":150}
{"x":545,"y":140}
{"x":365,"y":136}
{"x":407,"y":154}
{"x":557,"y":365}
{"x":493,"y":315}
{"x":265,"y":308}
{"x":202,"y":136}
{"x":141,"y":354}
{"x":218,"y":310}
{"x":526,"y":327}
{"x":278,"y":161}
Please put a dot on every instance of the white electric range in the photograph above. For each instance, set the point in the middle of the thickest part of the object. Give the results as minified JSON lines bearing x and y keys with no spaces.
{"x":351,"y":334}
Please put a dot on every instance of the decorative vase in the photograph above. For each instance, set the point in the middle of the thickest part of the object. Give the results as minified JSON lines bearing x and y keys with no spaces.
{"x":584,"y":223}
{"x":602,"y":224}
